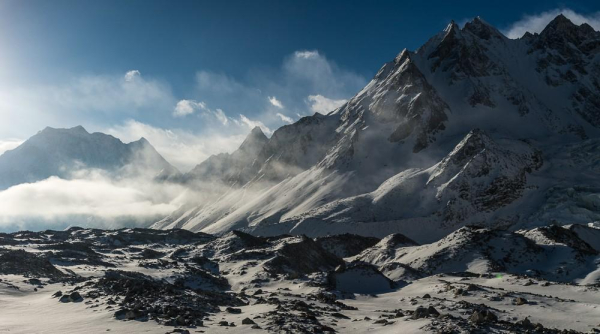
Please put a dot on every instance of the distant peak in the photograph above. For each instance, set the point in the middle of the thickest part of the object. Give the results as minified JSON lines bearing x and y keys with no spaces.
{"x":255,"y":140}
{"x":562,"y":27}
{"x":561,"y":18}
{"x":559,"y":23}
{"x":143,"y":140}
{"x":257,"y":131}
{"x":402,"y":56}
{"x":480,"y":28}
{"x":451,"y":27}
{"x":76,"y":129}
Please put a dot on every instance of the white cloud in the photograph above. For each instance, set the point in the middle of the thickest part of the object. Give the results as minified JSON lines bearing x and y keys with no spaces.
{"x":187,"y":107}
{"x":87,"y":100}
{"x":220,"y":115}
{"x":260,"y":94}
{"x":131,"y":75}
{"x":184,"y":149}
{"x":275,"y":102}
{"x":307,"y":54}
{"x":536,"y":23}
{"x":96,"y":196}
{"x":252,"y":124}
{"x":323,"y":105}
{"x":285,"y":118}
{"x":9,"y":144}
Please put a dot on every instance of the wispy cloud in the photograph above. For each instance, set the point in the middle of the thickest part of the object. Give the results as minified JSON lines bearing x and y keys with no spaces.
{"x":275,"y":102}
{"x":86,"y":100}
{"x":307,"y":54}
{"x":252,"y":124}
{"x":187,"y":107}
{"x":323,"y":105}
{"x":261,"y":94}
{"x":285,"y":118}
{"x":537,"y":22}
{"x":132,"y":75}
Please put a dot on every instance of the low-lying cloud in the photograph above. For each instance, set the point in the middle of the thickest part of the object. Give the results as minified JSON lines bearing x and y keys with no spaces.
{"x":537,"y":22}
{"x":90,"y":196}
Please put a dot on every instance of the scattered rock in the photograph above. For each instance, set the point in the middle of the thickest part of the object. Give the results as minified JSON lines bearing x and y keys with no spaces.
{"x":520,"y":301}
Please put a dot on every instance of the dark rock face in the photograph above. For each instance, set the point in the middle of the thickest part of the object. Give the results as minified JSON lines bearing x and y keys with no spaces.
{"x":303,"y":256}
{"x":20,"y":262}
{"x":147,"y":298}
{"x":360,"y":278}
{"x":346,"y":245}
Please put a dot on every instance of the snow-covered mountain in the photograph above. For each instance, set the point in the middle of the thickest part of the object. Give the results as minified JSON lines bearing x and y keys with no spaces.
{"x":61,"y":152}
{"x":471,"y":128}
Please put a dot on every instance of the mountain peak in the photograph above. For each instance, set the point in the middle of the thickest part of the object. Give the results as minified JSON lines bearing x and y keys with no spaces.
{"x":560,"y":19}
{"x":451,"y":26}
{"x":402,"y":56}
{"x":482,"y":29}
{"x":79,"y":130}
{"x":559,"y":24}
{"x":255,"y":140}
{"x":561,"y":29}
{"x":257,"y":131}
{"x":143,"y":140}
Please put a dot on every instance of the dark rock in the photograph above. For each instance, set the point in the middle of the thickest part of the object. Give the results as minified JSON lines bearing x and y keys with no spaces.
{"x":339,"y":315}
{"x":520,"y":301}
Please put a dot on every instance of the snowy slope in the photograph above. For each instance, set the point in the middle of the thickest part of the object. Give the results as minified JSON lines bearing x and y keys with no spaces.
{"x":472,"y":127}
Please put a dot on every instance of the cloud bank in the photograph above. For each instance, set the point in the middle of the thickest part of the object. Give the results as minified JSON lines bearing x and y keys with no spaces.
{"x":91,"y":198}
{"x":537,"y":22}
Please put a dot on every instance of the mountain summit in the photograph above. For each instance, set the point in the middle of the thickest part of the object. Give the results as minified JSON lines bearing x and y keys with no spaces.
{"x":60,"y":152}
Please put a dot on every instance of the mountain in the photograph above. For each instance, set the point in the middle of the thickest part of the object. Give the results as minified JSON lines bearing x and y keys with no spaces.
{"x":232,"y":169}
{"x":471,"y":128}
{"x":61,"y":152}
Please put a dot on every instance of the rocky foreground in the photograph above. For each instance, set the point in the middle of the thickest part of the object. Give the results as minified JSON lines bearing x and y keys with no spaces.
{"x":475,"y":280}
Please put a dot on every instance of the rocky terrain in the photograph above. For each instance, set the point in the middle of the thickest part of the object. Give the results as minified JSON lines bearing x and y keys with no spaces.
{"x":475,"y":280}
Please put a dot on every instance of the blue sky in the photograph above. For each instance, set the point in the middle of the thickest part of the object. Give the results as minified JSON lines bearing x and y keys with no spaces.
{"x":194,"y":76}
